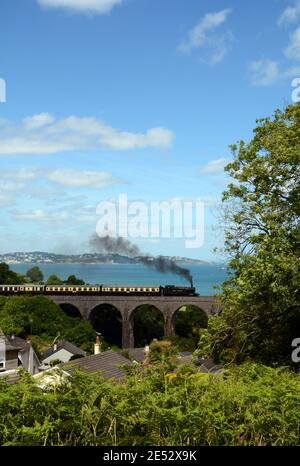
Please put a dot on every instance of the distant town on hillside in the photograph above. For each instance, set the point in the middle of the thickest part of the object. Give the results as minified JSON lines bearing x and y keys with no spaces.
{"x":91,"y":258}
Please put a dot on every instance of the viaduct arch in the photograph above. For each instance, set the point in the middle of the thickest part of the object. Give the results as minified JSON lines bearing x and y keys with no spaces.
{"x":168,"y":305}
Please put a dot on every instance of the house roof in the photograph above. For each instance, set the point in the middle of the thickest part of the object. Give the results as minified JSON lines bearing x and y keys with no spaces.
{"x":137,"y":354}
{"x":108,"y":363}
{"x":7,"y":343}
{"x":185,"y":358}
{"x":18,"y":342}
{"x":208,"y":365}
{"x":66,"y":345}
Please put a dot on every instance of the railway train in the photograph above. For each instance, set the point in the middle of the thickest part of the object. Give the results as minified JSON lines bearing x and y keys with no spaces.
{"x":31,"y":289}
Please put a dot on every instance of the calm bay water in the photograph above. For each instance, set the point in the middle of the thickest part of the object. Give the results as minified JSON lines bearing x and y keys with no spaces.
{"x":205,"y":275}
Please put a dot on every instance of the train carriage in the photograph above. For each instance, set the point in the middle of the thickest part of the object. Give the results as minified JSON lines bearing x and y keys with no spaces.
{"x":8,"y":290}
{"x":32,"y":289}
{"x":132,"y":290}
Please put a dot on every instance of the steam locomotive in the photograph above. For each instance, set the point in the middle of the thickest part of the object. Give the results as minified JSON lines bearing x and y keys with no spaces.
{"x":28,"y":289}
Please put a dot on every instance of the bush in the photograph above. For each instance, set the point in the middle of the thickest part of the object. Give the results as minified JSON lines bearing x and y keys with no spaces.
{"x":245,"y":405}
{"x":35,"y":275}
{"x":43,"y":318}
{"x":8,"y":277}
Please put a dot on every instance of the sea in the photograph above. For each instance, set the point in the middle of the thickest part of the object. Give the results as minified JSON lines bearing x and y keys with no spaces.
{"x":207,"y":277}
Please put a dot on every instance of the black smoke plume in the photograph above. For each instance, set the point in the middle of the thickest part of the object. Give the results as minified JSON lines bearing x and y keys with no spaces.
{"x":110,"y":245}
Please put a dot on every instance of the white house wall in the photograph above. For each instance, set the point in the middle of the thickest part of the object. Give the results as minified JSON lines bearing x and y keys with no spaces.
{"x":62,"y":354}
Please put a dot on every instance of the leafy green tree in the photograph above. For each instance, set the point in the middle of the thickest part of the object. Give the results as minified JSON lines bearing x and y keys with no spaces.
{"x":261,"y":298}
{"x":2,"y":302}
{"x":35,"y":275}
{"x":81,"y":333}
{"x":47,"y":317}
{"x":43,"y":318}
{"x":189,"y":321}
{"x":72,"y":280}
{"x":8,"y":277}
{"x":15,"y":316}
{"x":155,"y":407}
{"x":163,"y":352}
{"x":38,"y":315}
{"x":54,"y":280}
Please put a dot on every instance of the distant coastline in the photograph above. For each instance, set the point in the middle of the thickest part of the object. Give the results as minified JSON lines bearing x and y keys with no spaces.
{"x":38,"y":257}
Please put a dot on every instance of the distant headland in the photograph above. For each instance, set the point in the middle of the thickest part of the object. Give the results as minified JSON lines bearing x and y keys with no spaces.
{"x":87,"y":258}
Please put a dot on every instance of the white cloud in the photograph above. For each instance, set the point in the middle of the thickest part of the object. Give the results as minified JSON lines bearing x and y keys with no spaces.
{"x":214,"y":167}
{"x":37,"y":214}
{"x":267,"y":72}
{"x":6,"y":200}
{"x":76,"y":178}
{"x":290,"y":14}
{"x":263,"y":72}
{"x":21,"y":174}
{"x":99,"y":7}
{"x":38,"y":121}
{"x":64,"y":217}
{"x":52,"y":218}
{"x":291,"y":72}
{"x":203,"y":36}
{"x":42,"y":134}
{"x":45,"y":186}
{"x":293,"y":49}
{"x":13,"y":183}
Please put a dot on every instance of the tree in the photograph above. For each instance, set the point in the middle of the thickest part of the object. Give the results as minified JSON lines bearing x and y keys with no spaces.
{"x":35,"y":275}
{"x":72,"y":280}
{"x":245,"y":406}
{"x":81,"y":333}
{"x":261,"y":298}
{"x":15,"y":316}
{"x":189,"y":322}
{"x":8,"y":277}
{"x":54,"y":280}
{"x":41,"y":317}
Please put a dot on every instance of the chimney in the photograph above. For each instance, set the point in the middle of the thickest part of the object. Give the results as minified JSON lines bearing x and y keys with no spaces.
{"x":97,"y":346}
{"x":146,"y":352}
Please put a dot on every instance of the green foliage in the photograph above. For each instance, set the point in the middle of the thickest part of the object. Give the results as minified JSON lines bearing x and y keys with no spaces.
{"x":261,"y":299}
{"x":72,"y":280}
{"x":55,"y":362}
{"x":8,"y":277}
{"x":182,"y":343}
{"x":81,"y":333}
{"x":246,"y":405}
{"x":41,"y":317}
{"x":189,"y":323}
{"x":54,"y":280}
{"x":21,"y":314}
{"x":2,"y":302}
{"x":162,"y":351}
{"x":35,"y":275}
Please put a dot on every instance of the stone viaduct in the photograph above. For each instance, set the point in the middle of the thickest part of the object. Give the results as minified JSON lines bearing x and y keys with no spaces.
{"x":126,"y":305}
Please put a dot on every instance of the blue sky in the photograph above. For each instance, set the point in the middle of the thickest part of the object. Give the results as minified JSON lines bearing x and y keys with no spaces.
{"x":140,"y":97}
